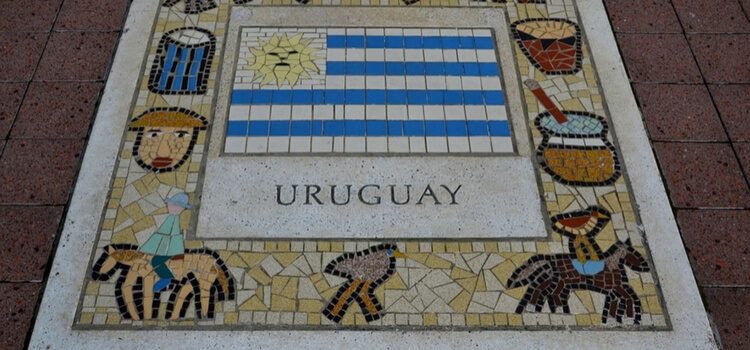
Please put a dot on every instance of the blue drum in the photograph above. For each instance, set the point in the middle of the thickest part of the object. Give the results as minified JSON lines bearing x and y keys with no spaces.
{"x":183,"y":62}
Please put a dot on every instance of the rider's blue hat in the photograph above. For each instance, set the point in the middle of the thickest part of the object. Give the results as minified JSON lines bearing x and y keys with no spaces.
{"x":180,"y":199}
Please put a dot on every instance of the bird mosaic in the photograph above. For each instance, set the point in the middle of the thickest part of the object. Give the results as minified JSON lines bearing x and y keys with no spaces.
{"x":364,"y":271}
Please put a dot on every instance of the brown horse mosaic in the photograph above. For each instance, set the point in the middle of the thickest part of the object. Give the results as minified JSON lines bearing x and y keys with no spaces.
{"x":551,"y":278}
{"x":200,"y":275}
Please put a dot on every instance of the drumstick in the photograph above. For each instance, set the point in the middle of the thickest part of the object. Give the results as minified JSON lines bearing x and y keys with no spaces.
{"x":534,"y":86}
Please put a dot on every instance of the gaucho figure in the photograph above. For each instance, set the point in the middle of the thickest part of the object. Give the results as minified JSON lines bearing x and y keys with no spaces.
{"x":166,"y":137}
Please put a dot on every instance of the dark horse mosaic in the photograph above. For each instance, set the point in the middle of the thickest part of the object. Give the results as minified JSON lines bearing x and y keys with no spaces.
{"x":551,"y":278}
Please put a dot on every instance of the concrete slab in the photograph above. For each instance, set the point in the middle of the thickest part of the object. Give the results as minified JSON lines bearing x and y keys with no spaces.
{"x":150,"y":186}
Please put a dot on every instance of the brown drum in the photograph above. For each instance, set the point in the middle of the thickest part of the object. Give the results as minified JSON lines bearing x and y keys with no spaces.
{"x":577,"y":152}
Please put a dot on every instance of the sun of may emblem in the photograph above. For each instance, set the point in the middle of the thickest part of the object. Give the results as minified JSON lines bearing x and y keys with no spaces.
{"x":283,"y":59}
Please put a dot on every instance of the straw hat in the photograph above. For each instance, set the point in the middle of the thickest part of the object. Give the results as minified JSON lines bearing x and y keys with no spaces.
{"x":173,"y":117}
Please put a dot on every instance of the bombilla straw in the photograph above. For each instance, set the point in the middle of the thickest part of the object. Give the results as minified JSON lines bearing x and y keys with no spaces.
{"x":535,"y":88}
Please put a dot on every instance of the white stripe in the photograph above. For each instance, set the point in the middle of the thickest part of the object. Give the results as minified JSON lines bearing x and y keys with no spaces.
{"x":374,"y":112}
{"x":325,"y":144}
{"x":412,"y":55}
{"x":413,"y":82}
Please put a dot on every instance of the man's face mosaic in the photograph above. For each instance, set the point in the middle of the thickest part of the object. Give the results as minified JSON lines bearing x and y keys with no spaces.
{"x":164,"y":147}
{"x":165,"y":138}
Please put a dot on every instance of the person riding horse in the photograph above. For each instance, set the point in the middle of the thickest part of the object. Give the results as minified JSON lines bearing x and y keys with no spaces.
{"x":581,"y":228}
{"x":167,"y":242}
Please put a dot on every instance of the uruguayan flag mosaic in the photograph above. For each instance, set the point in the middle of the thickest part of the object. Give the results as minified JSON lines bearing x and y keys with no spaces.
{"x":367,"y":90}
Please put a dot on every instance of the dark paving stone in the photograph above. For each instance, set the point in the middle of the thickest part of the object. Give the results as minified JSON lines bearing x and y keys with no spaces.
{"x":57,"y":110}
{"x":38,"y":171}
{"x":746,"y":6}
{"x":743,"y":153}
{"x":728,"y":307}
{"x":733,"y":104}
{"x":718,"y":245}
{"x":647,"y":16}
{"x":94,"y":15}
{"x":679,"y":112}
{"x":711,"y":16}
{"x":20,"y":53}
{"x":700,"y":175}
{"x":17,"y":301}
{"x":77,"y":56}
{"x":27,"y":242}
{"x":27,"y":16}
{"x":722,"y":57}
{"x":10,"y":100}
{"x":661,"y":58}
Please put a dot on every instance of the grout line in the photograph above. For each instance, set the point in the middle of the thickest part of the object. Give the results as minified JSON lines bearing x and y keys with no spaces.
{"x":32,"y":281}
{"x":746,"y":11}
{"x":687,"y":83}
{"x":53,"y":81}
{"x":654,"y":139}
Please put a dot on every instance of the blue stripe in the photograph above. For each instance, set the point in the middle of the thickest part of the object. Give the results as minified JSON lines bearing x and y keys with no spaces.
{"x":196,"y":65}
{"x":408,"y":42}
{"x":168,"y":63}
{"x":412,"y":68}
{"x":368,"y":97}
{"x":180,"y":73}
{"x":370,"y":128}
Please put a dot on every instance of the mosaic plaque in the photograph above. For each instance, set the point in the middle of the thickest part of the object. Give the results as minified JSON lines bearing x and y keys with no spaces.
{"x":403,"y":174}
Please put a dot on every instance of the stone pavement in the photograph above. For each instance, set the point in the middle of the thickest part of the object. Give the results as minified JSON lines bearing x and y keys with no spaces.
{"x":689,"y":63}
{"x":56,"y":55}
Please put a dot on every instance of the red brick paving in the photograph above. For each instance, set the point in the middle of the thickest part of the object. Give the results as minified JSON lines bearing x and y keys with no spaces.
{"x":92,"y":15}
{"x":29,"y":233}
{"x":11,"y":95}
{"x":711,"y":16}
{"x":39,"y":171}
{"x":17,"y":301}
{"x":702,"y":175}
{"x":20,"y":52}
{"x":45,"y":115}
{"x":57,"y":110}
{"x":646,"y":16}
{"x":729,"y":306}
{"x":662,"y":58}
{"x":710,"y":234}
{"x":707,"y":177}
{"x":679,"y":112}
{"x":657,"y":51}
{"x":722,"y":58}
{"x":77,"y":56}
{"x":733,"y":106}
{"x":19,"y":16}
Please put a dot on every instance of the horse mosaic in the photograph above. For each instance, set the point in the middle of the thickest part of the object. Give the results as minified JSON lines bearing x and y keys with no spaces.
{"x":200,"y":275}
{"x":551,"y":278}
